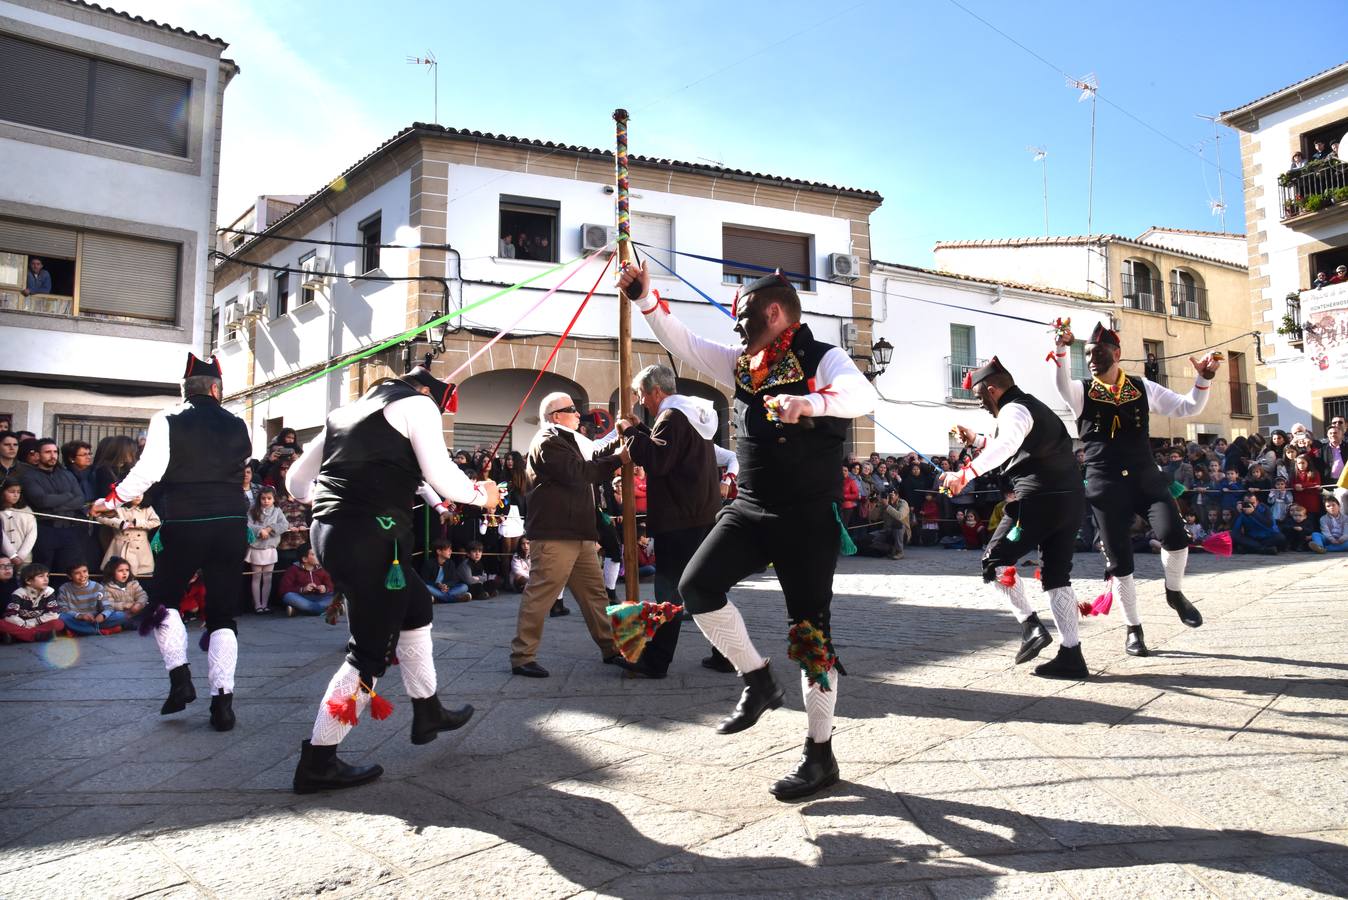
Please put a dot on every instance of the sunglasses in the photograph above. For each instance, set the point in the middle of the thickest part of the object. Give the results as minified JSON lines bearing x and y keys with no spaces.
{"x":564,"y":409}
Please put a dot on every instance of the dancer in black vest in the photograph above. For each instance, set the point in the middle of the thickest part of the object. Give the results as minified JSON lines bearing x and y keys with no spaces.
{"x":1122,"y":478}
{"x":1033,"y":451}
{"x":795,"y":398}
{"x":369,"y":462}
{"x":196,"y":453}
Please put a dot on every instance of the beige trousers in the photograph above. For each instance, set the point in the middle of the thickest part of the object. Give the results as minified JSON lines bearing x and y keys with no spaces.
{"x":573,"y":564}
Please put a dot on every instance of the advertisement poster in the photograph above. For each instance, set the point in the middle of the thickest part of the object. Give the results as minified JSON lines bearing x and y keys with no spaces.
{"x":1324,"y":320}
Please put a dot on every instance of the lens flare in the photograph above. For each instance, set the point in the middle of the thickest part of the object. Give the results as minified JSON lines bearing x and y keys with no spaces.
{"x":338,"y":184}
{"x":61,"y":652}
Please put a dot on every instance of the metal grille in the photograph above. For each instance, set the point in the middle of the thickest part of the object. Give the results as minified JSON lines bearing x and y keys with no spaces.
{"x":1335,"y":406}
{"x":92,"y":429}
{"x":470,"y":436}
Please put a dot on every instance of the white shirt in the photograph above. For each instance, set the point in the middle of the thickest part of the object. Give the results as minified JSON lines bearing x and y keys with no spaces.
{"x":418,"y":420}
{"x":154,"y":459}
{"x":1160,"y":400}
{"x":845,"y":392}
{"x":727,"y":459}
{"x":1013,"y":424}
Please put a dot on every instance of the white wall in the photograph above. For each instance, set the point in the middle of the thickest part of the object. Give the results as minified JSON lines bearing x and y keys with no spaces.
{"x":1048,"y":265}
{"x":1229,"y":249}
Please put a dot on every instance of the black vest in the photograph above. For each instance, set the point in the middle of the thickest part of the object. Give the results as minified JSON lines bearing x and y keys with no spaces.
{"x":368,"y":469}
{"x":1045,"y":461}
{"x":208,"y":448}
{"x":783,"y":465}
{"x":1115,"y":429}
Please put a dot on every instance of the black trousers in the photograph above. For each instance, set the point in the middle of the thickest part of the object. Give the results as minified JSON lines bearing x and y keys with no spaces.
{"x":60,"y":548}
{"x":800,"y":541}
{"x":673,"y":550}
{"x":217,"y":549}
{"x":1048,"y":522}
{"x":358,"y":554}
{"x":1117,"y":499}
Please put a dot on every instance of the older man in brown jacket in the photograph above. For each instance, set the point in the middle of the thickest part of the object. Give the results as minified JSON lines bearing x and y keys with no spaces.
{"x":562,"y":531}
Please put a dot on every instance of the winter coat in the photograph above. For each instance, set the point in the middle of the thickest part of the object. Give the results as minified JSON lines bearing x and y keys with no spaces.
{"x":18,"y":533}
{"x":56,"y":492}
{"x":124,"y":597}
{"x":132,"y":539}
{"x":519,"y":567}
{"x":271,"y":518}
{"x":562,"y":486}
{"x":851,"y":493}
{"x":30,"y":607}
{"x":296,"y":578}
{"x":1334,"y":527}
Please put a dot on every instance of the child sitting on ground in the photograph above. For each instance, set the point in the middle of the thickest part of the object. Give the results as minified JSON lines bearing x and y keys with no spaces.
{"x":520,"y":566}
{"x":123,"y":592}
{"x":440,"y":573}
{"x":32,"y":613}
{"x":645,"y":554}
{"x":82,"y":605}
{"x":1297,"y":528}
{"x":306,"y":587}
{"x":1333,"y":534}
{"x":472,"y":573}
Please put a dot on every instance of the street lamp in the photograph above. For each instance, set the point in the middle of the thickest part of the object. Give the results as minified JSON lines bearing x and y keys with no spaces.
{"x":427,"y":344}
{"x":882,"y":351}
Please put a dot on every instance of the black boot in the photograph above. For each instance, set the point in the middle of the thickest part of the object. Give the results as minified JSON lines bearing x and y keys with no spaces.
{"x":1188,"y":613}
{"x":180,"y":692}
{"x":717,"y":662}
{"x":1033,"y":638}
{"x":761,"y":693}
{"x":320,"y":769}
{"x":817,"y":770}
{"x":1134,"y":645}
{"x":558,"y":609}
{"x":429,"y":718}
{"x":222,"y":711}
{"x":1068,"y":664}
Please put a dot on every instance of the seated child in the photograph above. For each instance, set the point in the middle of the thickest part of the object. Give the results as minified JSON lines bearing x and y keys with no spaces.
{"x":520,"y":566}
{"x":440,"y":573}
{"x":306,"y":587}
{"x":82,"y":605}
{"x":123,"y":592}
{"x":645,"y":555}
{"x":32,"y":613}
{"x":1297,"y":528}
{"x":471,"y":572}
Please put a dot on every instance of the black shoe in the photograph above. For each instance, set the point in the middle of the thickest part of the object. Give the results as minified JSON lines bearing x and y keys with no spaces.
{"x":1134,"y":645}
{"x":717,"y":662}
{"x":558,"y":609}
{"x":617,"y":659}
{"x":1188,"y":613}
{"x":1068,"y":664}
{"x":1033,"y":638}
{"x":222,"y":711}
{"x":429,"y":718}
{"x":530,"y":670}
{"x":761,"y":693}
{"x":320,"y":769}
{"x":640,"y":669}
{"x":612,"y":594}
{"x":817,"y":770}
{"x":180,"y":692}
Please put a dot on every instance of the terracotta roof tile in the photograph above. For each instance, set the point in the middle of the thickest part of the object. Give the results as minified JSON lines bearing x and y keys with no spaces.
{"x":151,"y":22}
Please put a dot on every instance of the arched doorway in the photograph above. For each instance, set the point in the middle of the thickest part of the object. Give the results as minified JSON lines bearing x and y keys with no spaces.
{"x":488,"y":400}
{"x":692,"y":389}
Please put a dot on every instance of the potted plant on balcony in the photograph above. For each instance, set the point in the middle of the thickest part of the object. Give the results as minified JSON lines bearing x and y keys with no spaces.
{"x":1291,"y":208}
{"x":1340,"y":195}
{"x":1315,"y":202}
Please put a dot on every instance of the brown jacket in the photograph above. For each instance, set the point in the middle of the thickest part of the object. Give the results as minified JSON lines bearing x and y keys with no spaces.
{"x":561,"y":504}
{"x":683,"y":485}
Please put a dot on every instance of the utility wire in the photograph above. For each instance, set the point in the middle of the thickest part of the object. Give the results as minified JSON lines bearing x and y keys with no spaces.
{"x":308,"y":240}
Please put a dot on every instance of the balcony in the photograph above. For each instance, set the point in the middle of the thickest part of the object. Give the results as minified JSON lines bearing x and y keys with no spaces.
{"x":1189,"y":301}
{"x":50,"y":304}
{"x":1142,"y":292}
{"x":1314,"y":192}
{"x":956,"y":369}
{"x":1240,"y":399}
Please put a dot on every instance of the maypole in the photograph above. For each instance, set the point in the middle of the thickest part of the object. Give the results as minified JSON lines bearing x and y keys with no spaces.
{"x":625,"y":357}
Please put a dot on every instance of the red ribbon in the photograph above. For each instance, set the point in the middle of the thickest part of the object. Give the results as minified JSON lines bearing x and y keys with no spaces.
{"x":660,"y":304}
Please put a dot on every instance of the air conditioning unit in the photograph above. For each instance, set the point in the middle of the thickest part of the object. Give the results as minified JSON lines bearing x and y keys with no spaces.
{"x":844,"y":265}
{"x":594,"y":238}
{"x":315,"y":272}
{"x":233,"y":315}
{"x":255,"y":303}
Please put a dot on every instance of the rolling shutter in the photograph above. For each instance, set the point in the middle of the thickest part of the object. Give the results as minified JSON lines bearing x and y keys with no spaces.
{"x":470,"y":435}
{"x":139,"y":108}
{"x":43,"y":86}
{"x":122,"y":276}
{"x":788,"y":252}
{"x":658,"y":231}
{"x":36,"y":240}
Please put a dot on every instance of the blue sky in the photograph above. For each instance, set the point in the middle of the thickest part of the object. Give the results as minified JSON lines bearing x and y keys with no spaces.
{"x":919,"y":101}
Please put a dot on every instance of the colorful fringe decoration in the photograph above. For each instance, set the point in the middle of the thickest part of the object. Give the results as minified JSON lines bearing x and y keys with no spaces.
{"x":845,"y":544}
{"x":809,"y":646}
{"x":1218,"y":544}
{"x":1008,"y":577}
{"x":1177,"y":490}
{"x":152,"y":619}
{"x":636,"y":623}
{"x":156,"y":544}
{"x":1102,"y":603}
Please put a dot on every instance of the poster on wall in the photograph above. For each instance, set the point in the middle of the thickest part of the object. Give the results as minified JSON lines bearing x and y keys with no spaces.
{"x":1324,"y":317}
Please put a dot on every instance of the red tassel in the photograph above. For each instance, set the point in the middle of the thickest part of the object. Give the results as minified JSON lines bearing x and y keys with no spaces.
{"x":1084,"y":608}
{"x":1038,"y":574}
{"x":1008,"y":577}
{"x":343,"y":711}
{"x":1102,"y":604}
{"x":1218,"y":544}
{"x":968,"y":383}
{"x":379,"y":707}
{"x":453,"y":404}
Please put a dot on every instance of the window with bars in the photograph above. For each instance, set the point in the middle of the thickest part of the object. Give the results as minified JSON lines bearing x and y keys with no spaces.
{"x":472,"y":436}
{"x":92,"y":429}
{"x":1077,"y":353}
{"x":768,"y":249}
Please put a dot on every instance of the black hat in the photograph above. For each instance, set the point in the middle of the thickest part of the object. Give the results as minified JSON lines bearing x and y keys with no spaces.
{"x":442,"y":392}
{"x":977,"y":376}
{"x":1102,"y":335}
{"x":776,"y":281}
{"x":209,"y":368}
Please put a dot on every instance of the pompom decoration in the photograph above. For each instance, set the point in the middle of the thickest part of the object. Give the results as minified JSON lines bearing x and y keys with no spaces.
{"x":1015,"y":533}
{"x":344,"y":710}
{"x":152,"y":619}
{"x":808,"y":646}
{"x":1101,"y":605}
{"x":395,"y":580}
{"x":157,"y":545}
{"x":379,"y":707}
{"x":1008,"y":577}
{"x":1218,"y":544}
{"x":1038,"y":574}
{"x":845,"y":543}
{"x":636,"y":623}
{"x":1177,"y":490}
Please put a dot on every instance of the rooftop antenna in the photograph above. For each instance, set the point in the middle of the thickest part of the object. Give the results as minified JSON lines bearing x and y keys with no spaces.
{"x":1041,"y":156}
{"x":1217,"y":206}
{"x":1089,"y":86}
{"x":433,"y":67}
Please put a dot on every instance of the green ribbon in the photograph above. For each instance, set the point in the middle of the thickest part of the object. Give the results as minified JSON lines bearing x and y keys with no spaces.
{"x":846,"y":545}
{"x":157,"y":542}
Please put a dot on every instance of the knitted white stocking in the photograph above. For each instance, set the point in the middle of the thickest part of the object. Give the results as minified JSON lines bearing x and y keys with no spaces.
{"x":171,"y":636}
{"x":416,"y":662}
{"x":222,"y":654}
{"x":1063,"y":602}
{"x":1015,"y":594}
{"x":611,"y":574}
{"x":725,"y":629}
{"x":327,"y":729}
{"x":1174,"y":561}
{"x":819,"y":705}
{"x":1125,"y":591}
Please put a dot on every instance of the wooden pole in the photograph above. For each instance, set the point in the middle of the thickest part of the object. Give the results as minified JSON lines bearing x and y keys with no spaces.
{"x":625,"y":356}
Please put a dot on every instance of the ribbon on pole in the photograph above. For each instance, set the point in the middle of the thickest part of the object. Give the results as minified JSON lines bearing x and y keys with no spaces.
{"x":624,"y":217}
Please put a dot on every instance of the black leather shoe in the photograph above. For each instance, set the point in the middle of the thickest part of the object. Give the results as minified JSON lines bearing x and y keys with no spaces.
{"x":429,"y":718}
{"x":717,"y":663}
{"x":617,"y":659}
{"x":530,"y":670}
{"x":1033,"y":638}
{"x":180,"y":692}
{"x":1188,"y":613}
{"x":320,"y":769}
{"x":761,"y":693}
{"x":640,"y":669}
{"x":222,"y":711}
{"x":558,"y":609}
{"x":1069,"y":664}
{"x":817,"y":770}
{"x":1134,"y":644}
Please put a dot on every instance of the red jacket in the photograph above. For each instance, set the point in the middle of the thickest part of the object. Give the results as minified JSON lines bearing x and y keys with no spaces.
{"x":296,"y":578}
{"x":851,"y":493}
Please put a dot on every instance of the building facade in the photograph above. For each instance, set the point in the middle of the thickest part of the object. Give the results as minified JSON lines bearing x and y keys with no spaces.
{"x":110,"y":139}
{"x":474,"y":213}
{"x":1298,"y":228}
{"x":1169,"y":300}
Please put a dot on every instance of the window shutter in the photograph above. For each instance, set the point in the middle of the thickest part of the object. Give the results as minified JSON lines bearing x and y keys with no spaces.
{"x":658,"y":231}
{"x":788,"y":252}
{"x":43,"y":86}
{"x":140,"y":108}
{"x":470,"y":436}
{"x":123,"y":276}
{"x":36,"y":240}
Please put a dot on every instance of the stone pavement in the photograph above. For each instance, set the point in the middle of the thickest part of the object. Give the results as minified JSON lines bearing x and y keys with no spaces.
{"x":1215,"y":767}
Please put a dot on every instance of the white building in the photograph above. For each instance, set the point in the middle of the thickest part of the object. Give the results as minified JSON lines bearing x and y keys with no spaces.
{"x":109,"y":149}
{"x":1298,"y":227}
{"x":463,"y":192}
{"x":942,"y":326}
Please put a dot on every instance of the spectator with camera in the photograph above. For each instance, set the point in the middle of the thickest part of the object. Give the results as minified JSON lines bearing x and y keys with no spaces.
{"x":1254,"y":531}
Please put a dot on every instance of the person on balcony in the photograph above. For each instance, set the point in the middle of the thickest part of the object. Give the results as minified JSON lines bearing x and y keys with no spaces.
{"x":39,"y":279}
{"x":1298,"y":161}
{"x":1321,"y":152}
{"x":1340,"y":275}
{"x":1321,"y":279}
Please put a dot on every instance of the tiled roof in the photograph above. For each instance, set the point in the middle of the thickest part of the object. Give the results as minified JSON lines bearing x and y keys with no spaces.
{"x":1291,"y":88}
{"x":151,"y":22}
{"x":1069,"y":240}
{"x":1014,"y":285}
{"x":1221,"y":234}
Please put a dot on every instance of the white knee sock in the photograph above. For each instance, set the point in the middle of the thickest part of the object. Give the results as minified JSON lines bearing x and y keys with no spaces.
{"x":819,"y":705}
{"x":327,"y":729}
{"x":1125,"y":591}
{"x":1174,"y":561}
{"x":221,"y":656}
{"x":1063,"y":602}
{"x":611,"y":573}
{"x":725,"y":629}
{"x":416,"y":662}
{"x":1015,"y":594}
{"x":171,"y":636}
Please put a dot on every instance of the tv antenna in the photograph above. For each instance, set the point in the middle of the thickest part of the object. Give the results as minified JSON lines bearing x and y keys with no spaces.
{"x":1089,"y":86}
{"x":433,"y":67}
{"x":1217,"y":206}
{"x":1041,"y":156}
